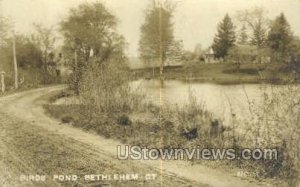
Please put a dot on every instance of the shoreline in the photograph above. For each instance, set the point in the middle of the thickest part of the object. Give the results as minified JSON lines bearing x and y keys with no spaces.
{"x":222,"y":74}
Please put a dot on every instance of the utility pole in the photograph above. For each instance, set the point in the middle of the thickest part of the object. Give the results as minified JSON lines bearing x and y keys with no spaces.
{"x":15,"y":61}
{"x":161,"y":45}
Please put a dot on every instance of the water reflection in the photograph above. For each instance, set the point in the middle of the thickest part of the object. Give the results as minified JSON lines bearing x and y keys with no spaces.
{"x":221,"y":100}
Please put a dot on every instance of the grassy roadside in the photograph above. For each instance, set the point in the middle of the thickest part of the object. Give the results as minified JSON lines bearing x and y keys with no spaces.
{"x":225,"y":73}
{"x":29,"y":149}
{"x":186,"y":127}
{"x":27,"y":88}
{"x":23,"y":88}
{"x":31,"y":78}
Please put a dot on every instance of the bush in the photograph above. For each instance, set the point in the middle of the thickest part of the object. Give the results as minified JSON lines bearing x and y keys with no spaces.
{"x":105,"y":87}
{"x":124,"y":120}
{"x":67,"y":119}
{"x":274,"y":124}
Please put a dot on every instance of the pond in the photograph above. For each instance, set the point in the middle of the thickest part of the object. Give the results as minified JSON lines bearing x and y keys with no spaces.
{"x":221,"y":100}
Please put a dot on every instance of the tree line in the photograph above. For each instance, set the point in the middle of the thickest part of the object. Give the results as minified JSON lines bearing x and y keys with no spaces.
{"x":90,"y":39}
{"x":34,"y":53}
{"x":272,"y":38}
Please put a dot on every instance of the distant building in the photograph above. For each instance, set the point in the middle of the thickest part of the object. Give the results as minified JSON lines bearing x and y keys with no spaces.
{"x":209,"y":56}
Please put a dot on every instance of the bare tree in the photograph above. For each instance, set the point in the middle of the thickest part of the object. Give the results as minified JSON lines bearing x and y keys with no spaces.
{"x":45,"y":39}
{"x":256,"y":21}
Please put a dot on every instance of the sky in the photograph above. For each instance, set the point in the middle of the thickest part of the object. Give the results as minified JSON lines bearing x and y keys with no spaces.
{"x":195,"y":21}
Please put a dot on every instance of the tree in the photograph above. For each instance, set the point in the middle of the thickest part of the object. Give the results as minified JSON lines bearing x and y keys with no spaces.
{"x":157,"y":42}
{"x":259,"y":36}
{"x":29,"y":54}
{"x":29,"y":59}
{"x":255,"y":20}
{"x":243,"y":36}
{"x":45,"y":39}
{"x":280,"y":37}
{"x":225,"y":37}
{"x":295,"y":51}
{"x":4,"y":41}
{"x":175,"y":52}
{"x":4,"y":30}
{"x":90,"y":32}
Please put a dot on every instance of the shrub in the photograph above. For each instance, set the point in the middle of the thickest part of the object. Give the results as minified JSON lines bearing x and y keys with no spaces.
{"x":105,"y":87}
{"x":67,"y":119}
{"x":124,"y":120}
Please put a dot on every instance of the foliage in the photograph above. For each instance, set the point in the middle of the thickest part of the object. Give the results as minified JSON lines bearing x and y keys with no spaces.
{"x":242,"y":54}
{"x":259,"y":36}
{"x":45,"y":39}
{"x":29,"y":58}
{"x":243,"y":36}
{"x":106,"y":88}
{"x":157,"y":38}
{"x":295,"y":52}
{"x":90,"y":32}
{"x":4,"y":30}
{"x":29,"y":54}
{"x":274,"y":122}
{"x":225,"y":37}
{"x":255,"y":21}
{"x":280,"y":38}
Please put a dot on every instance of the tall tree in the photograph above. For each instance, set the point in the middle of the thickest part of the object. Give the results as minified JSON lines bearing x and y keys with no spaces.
{"x":29,"y":53}
{"x":157,"y":42}
{"x":257,"y":22}
{"x":4,"y":29}
{"x":243,"y":36}
{"x":280,"y":37}
{"x":225,"y":38}
{"x":5,"y":40}
{"x":45,"y":39}
{"x":259,"y":36}
{"x":90,"y":30}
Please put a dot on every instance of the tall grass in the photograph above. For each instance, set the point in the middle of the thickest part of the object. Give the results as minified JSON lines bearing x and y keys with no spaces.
{"x":105,"y":87}
{"x":110,"y":107}
{"x":276,"y":123}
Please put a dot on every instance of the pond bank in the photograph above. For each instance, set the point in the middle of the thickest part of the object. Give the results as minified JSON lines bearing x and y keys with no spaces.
{"x":225,"y":73}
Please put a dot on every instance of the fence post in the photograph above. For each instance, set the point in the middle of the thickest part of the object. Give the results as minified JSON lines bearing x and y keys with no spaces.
{"x":2,"y":74}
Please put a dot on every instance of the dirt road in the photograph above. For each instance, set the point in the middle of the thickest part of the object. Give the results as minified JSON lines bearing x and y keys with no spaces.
{"x":31,"y":143}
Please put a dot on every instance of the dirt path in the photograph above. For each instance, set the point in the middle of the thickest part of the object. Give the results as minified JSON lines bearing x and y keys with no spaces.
{"x":33,"y":143}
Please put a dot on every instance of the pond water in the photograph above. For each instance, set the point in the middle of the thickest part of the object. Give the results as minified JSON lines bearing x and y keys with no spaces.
{"x":221,"y":100}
